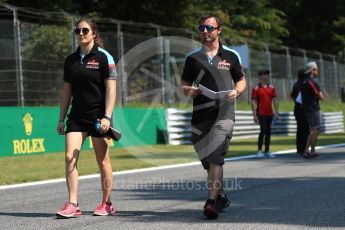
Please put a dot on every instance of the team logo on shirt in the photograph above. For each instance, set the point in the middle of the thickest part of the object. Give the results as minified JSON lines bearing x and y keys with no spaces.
{"x":93,"y":64}
{"x":224,"y":65}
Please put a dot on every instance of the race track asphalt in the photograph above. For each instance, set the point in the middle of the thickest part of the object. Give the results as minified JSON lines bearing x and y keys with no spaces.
{"x":287,"y":192}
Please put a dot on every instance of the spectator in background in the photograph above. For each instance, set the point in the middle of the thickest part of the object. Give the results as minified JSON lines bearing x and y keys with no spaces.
{"x":311,"y":94}
{"x":218,"y":68}
{"x":90,"y":79}
{"x":301,"y":119}
{"x":263,"y":95}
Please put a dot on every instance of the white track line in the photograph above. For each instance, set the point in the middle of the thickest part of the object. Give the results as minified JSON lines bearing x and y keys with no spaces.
{"x":152,"y":168}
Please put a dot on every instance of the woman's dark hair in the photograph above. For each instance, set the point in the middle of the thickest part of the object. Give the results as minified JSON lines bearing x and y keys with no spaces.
{"x":94,"y":28}
{"x":297,"y":86}
{"x":207,"y":16}
{"x":300,"y":74}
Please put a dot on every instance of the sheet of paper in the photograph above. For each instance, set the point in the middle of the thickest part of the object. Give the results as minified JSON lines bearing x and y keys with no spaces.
{"x":299,"y":98}
{"x":212,"y":94}
{"x":207,"y":92}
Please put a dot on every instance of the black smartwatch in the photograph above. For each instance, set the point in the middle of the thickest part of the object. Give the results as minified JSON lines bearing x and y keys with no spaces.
{"x":238,"y":93}
{"x":107,"y":117}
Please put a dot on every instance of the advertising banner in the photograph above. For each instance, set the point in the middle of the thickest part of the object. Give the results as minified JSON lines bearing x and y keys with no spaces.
{"x":32,"y":130}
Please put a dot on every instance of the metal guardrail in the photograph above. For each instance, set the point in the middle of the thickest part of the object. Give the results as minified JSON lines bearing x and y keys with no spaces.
{"x":179,"y":127}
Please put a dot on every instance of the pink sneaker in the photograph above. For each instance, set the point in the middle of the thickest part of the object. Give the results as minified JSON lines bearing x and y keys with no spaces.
{"x":69,"y":211}
{"x":104,"y":209}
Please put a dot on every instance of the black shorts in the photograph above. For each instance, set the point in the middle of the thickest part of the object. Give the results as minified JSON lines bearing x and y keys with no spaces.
{"x":212,"y":147}
{"x":217,"y":157}
{"x":314,"y":119}
{"x":80,"y":126}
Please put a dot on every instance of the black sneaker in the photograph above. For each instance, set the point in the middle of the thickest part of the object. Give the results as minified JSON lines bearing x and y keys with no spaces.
{"x":210,"y":210}
{"x":222,"y":203}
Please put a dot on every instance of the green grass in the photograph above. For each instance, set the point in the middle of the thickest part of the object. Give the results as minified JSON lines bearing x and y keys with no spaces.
{"x":328,"y":105}
{"x":287,"y":106}
{"x":50,"y":166}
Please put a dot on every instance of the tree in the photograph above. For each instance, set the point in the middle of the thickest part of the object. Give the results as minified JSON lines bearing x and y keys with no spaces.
{"x":308,"y":24}
{"x":243,"y":20}
{"x":339,"y":38}
{"x":314,"y":24}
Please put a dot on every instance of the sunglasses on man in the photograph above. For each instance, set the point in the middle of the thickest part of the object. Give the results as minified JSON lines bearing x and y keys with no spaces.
{"x":84,"y":31}
{"x":209,"y":28}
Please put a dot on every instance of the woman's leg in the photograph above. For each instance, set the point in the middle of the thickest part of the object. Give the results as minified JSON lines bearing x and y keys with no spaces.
{"x":101,"y":147}
{"x":299,"y":146}
{"x":304,"y":131}
{"x":74,"y":141}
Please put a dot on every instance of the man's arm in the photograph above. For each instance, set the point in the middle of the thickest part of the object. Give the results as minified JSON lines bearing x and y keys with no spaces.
{"x":276,"y":107}
{"x":188,"y":89}
{"x":240,"y":87}
{"x":254,"y":109}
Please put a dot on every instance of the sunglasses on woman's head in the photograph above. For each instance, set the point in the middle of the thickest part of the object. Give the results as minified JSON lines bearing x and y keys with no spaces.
{"x":84,"y":31}
{"x":209,"y":28}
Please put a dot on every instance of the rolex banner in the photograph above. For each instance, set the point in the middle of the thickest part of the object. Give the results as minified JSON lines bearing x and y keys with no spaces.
{"x":32,"y":130}
{"x":27,"y":131}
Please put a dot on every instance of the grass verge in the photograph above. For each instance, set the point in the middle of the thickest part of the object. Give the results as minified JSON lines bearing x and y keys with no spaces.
{"x":50,"y":166}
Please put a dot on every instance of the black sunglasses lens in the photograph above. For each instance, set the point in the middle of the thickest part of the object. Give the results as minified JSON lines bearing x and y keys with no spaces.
{"x":209,"y":28}
{"x":77,"y":31}
{"x":84,"y":31}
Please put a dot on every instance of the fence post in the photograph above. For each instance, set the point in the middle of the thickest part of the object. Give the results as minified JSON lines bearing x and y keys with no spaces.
{"x":268,"y":54}
{"x":161,"y":64}
{"x":18,"y":57}
{"x":288,"y":70}
{"x":305,"y":59}
{"x":335,"y":77}
{"x":167,"y":74}
{"x":122,"y":73}
{"x":74,"y":45}
{"x":248,"y":78}
{"x":322,"y":70}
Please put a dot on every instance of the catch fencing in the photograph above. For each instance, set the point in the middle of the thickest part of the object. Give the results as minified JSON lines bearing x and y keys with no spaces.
{"x":33,"y":46}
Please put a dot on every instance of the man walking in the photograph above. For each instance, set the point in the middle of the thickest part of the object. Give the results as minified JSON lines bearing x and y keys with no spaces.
{"x":217,"y":68}
{"x":311,"y":94}
{"x":263,"y":95}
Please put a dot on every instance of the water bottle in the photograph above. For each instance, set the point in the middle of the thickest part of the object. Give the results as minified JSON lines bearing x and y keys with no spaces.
{"x":98,"y":126}
{"x":274,"y":121}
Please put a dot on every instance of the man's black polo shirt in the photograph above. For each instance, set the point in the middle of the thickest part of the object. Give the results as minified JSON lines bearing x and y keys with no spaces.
{"x":310,"y":90}
{"x":217,"y":74}
{"x":86,"y":76}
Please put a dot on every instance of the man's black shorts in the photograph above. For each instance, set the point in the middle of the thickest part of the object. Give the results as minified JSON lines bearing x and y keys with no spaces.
{"x":314,"y":119}
{"x":212,"y":147}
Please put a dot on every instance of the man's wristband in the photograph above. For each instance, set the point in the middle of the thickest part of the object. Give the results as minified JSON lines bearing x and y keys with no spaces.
{"x":61,"y":121}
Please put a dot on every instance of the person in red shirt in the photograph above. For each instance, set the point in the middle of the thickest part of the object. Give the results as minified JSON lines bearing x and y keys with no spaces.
{"x":263,"y":96}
